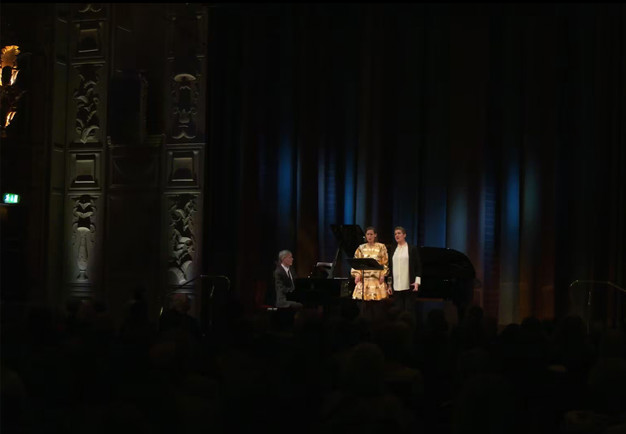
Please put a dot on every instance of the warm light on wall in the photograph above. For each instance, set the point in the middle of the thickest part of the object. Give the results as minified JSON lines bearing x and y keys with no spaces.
{"x":9,"y":118}
{"x":9,"y":94}
{"x":9,"y":58}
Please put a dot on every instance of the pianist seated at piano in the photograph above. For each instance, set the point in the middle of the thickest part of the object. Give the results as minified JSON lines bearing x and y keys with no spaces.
{"x":284,"y":276}
{"x":372,"y":287}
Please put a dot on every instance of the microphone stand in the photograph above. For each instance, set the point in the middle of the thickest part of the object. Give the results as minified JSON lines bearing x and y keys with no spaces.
{"x":590,"y":292}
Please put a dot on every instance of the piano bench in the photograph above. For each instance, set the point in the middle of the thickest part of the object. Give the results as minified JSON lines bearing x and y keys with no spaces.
{"x":270,"y":308}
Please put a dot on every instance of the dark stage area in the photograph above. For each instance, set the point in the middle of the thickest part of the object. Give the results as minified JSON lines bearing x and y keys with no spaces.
{"x":156,"y":158}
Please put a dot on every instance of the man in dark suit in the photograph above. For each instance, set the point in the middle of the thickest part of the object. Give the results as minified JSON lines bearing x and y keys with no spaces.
{"x":283,"y":280}
{"x":405,"y":267}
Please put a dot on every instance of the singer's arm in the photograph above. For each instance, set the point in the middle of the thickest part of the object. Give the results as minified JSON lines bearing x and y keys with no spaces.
{"x":416,"y":267}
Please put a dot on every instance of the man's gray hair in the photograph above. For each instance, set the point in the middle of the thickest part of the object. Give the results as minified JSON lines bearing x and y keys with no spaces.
{"x":282,"y":254}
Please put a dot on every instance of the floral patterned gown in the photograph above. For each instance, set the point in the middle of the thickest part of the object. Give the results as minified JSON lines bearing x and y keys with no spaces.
{"x":374,"y":290}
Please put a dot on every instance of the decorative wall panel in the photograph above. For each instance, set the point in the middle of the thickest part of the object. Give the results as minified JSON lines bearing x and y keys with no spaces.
{"x":89,"y":37}
{"x":89,"y":8}
{"x":87,"y":101}
{"x":183,"y":162}
{"x":84,"y":170}
{"x":86,"y":130}
{"x":83,"y":237}
{"x":182,"y":239}
{"x":183,"y":168}
{"x":186,"y":72}
{"x":185,"y":99}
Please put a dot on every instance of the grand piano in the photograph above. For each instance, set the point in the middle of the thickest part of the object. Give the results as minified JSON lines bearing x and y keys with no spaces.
{"x":446,"y":274}
{"x":323,"y":286}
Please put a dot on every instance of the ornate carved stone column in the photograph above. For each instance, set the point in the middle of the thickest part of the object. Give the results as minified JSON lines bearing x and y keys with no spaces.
{"x":88,"y":34}
{"x":185,"y":143}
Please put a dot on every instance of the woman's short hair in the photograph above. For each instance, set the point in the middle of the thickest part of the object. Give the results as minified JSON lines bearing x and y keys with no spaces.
{"x":283,"y":254}
{"x":399,"y":228}
{"x":372,"y":228}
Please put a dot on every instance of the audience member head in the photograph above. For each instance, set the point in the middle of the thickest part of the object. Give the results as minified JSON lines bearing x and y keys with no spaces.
{"x":363,"y":373}
{"x":394,"y":339}
{"x":180,"y":303}
{"x":475,"y":315}
{"x":570,"y":330}
{"x":473,"y":362}
{"x":86,"y":312}
{"x":436,"y":321}
{"x":486,"y":404}
{"x":612,"y":344}
{"x":607,"y":382}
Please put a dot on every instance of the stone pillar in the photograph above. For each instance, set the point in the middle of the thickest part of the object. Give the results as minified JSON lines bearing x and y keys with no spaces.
{"x":87,"y":86}
{"x":183,"y":159}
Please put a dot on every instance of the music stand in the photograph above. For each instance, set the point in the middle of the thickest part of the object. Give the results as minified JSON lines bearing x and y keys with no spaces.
{"x":363,"y":264}
{"x":349,"y":238}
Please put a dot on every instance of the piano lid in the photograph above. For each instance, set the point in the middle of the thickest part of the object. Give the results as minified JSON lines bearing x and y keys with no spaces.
{"x":348,"y":237}
{"x":444,"y":263}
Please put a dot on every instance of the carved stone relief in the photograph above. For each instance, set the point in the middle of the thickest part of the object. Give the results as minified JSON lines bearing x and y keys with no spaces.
{"x":87,"y":100}
{"x":84,"y":170}
{"x":89,"y":39}
{"x":89,"y":7}
{"x":181,"y":238}
{"x":185,"y":94}
{"x":84,"y":231}
{"x":183,"y":168}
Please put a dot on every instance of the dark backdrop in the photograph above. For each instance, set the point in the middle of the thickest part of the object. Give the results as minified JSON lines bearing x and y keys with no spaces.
{"x":495,"y":130}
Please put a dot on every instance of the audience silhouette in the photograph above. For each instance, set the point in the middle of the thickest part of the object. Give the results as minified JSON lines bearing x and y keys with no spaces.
{"x":76,"y":371}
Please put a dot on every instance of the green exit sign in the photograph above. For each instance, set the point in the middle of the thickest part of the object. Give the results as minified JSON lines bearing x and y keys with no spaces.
{"x":11,"y":198}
